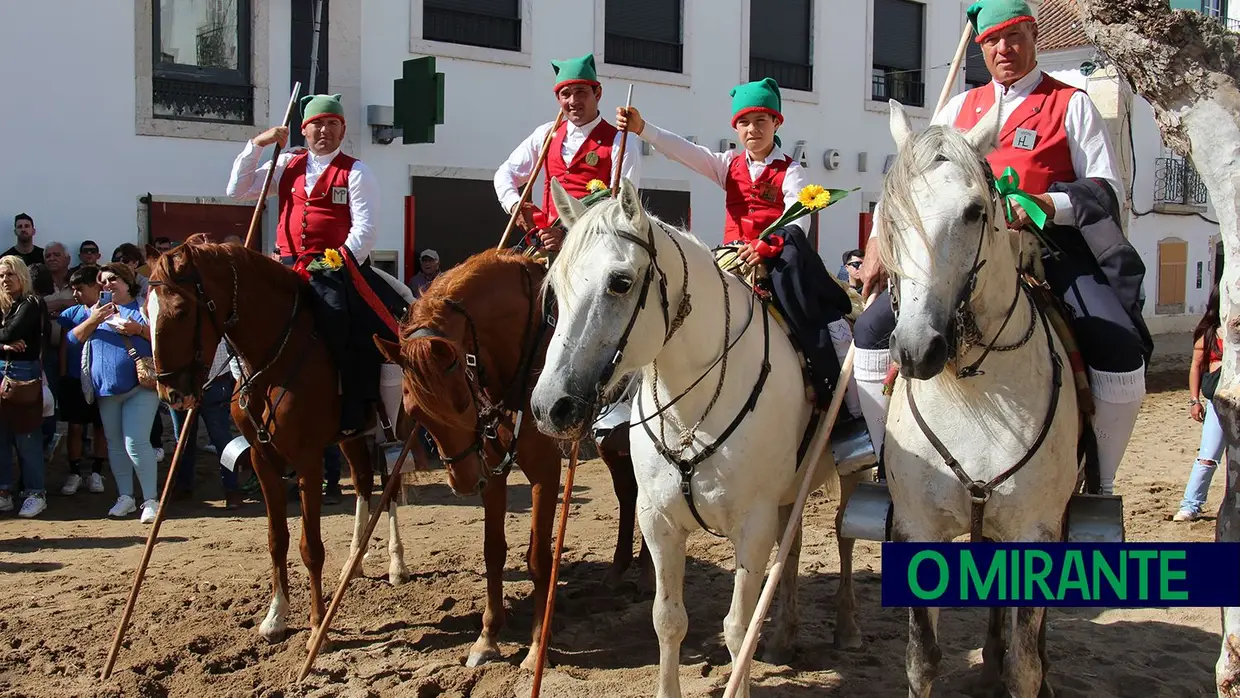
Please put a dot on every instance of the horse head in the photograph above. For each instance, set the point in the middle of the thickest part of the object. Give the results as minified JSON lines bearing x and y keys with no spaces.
{"x":936,"y":215}
{"x":602,"y":281}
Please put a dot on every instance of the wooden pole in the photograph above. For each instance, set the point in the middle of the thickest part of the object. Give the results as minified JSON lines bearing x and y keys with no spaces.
{"x":150,"y":544}
{"x":529,"y":185}
{"x":821,"y":439}
{"x":389,"y":491}
{"x":275,"y":157}
{"x":549,"y":613}
{"x":615,"y":178}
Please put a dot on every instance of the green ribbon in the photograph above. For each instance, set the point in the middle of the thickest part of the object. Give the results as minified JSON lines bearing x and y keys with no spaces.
{"x":1009,"y":187}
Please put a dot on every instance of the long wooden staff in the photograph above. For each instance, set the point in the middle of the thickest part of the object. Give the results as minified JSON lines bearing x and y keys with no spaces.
{"x":529,"y":185}
{"x":275,"y":157}
{"x":745,"y":656}
{"x":150,"y":544}
{"x":389,"y":491}
{"x":545,"y":636}
{"x":615,"y":178}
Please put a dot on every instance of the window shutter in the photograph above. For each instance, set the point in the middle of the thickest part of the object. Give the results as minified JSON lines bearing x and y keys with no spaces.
{"x":507,"y":9}
{"x":898,"y":34}
{"x":656,"y":20}
{"x":780,"y":30}
{"x":975,"y":72}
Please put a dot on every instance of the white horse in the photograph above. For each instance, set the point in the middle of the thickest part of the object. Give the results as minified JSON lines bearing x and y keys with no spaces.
{"x":723,"y":454}
{"x":955,"y":278}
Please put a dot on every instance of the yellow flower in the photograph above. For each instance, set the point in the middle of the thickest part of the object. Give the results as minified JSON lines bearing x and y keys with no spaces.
{"x":333,"y":258}
{"x":814,"y":197}
{"x":596,"y":185}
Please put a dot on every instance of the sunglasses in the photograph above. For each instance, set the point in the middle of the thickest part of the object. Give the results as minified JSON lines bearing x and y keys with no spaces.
{"x":88,"y":251}
{"x":854,"y":265}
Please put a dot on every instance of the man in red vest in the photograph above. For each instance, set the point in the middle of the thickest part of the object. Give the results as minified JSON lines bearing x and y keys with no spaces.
{"x":328,"y":202}
{"x":1054,"y":139}
{"x":584,"y":148}
{"x":760,"y":182}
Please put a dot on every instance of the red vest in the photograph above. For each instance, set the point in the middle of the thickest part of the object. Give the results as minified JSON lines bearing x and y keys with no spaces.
{"x":318,"y":221}
{"x":1043,"y":112}
{"x":592,"y":161}
{"x":752,"y":206}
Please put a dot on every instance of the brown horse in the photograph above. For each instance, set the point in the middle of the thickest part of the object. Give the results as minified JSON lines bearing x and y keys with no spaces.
{"x":286,"y":404}
{"x":470,"y":348}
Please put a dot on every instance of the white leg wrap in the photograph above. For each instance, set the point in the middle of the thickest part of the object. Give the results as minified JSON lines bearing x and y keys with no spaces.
{"x":1117,"y":399}
{"x":869,"y":369}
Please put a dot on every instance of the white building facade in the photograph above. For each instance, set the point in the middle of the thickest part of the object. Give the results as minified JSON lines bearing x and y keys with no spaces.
{"x":129,"y":113}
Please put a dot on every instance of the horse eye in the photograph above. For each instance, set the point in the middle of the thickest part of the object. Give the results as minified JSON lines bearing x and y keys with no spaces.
{"x":972,"y":212}
{"x":619,"y":284}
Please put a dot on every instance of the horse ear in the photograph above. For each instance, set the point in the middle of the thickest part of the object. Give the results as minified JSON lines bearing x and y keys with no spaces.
{"x":984,"y":136}
{"x":570,"y":209}
{"x":389,"y":350}
{"x":631,"y":205}
{"x":901,"y":127}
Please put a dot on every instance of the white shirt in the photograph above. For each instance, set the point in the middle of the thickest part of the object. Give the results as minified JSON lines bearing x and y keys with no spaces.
{"x":715,"y":166}
{"x":246,"y":184}
{"x":1087,"y":137}
{"x":519,"y":166}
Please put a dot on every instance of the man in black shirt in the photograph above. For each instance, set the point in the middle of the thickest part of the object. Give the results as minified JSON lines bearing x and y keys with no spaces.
{"x":23,"y":228}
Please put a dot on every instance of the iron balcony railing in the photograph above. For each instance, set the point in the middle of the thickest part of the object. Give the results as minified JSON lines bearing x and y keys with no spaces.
{"x":1176,"y":182}
{"x":905,"y":88}
{"x":636,"y":52}
{"x":793,"y":76}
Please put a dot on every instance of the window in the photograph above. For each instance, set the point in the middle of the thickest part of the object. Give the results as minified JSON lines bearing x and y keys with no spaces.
{"x":781,"y":43}
{"x":897,"y":70}
{"x":644,"y":34}
{"x":486,"y":23}
{"x":301,"y":41}
{"x":1172,"y":276}
{"x":975,"y":72}
{"x":201,"y":59}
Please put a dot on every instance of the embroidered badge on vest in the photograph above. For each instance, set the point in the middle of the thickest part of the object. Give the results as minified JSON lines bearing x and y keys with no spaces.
{"x":340,"y":195}
{"x":767,"y":191}
{"x":591,"y":158}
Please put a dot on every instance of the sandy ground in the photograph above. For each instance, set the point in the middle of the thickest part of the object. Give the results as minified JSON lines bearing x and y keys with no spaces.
{"x":65,"y":576}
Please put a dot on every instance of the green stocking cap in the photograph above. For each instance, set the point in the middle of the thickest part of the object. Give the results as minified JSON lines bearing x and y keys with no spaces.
{"x":318,"y":106}
{"x":762,"y":95}
{"x":575,"y":71}
{"x":990,"y":16}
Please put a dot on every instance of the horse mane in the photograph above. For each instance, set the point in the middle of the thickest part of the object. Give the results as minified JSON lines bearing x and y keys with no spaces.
{"x":599,"y":226}
{"x":920,"y":154}
{"x":201,"y":252}
{"x":426,"y":356}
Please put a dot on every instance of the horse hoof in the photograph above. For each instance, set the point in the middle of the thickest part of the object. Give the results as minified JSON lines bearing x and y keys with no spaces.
{"x":326,"y":646}
{"x":271,"y":632}
{"x":847,"y":639}
{"x":779,"y":655}
{"x":479,"y":657}
{"x":614,"y":577}
{"x":530,"y":663}
{"x":398,"y":575}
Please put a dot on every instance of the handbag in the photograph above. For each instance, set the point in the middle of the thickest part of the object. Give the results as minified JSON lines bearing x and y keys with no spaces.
{"x":21,"y":402}
{"x":1209,"y":383}
{"x":144,"y":364}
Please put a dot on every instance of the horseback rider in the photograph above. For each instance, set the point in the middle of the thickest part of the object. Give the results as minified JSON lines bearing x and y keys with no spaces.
{"x":585,"y":147}
{"x":328,"y":204}
{"x":761,"y":183}
{"x":1055,"y":141}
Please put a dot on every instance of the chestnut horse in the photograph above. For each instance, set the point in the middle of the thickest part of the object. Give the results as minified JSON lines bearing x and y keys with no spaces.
{"x":470,"y":348}
{"x":287,"y":404}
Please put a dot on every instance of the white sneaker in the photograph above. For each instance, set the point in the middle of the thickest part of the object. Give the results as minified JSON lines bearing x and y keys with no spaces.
{"x":6,"y":502}
{"x":123,"y":507}
{"x":149,"y":509}
{"x":33,"y":506}
{"x":94,"y":482}
{"x":1185,"y":515}
{"x":72,"y":483}
{"x":159,"y":455}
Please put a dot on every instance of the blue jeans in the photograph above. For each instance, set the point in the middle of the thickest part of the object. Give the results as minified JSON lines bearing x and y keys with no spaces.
{"x":214,"y":413}
{"x":29,"y":445}
{"x":127,"y":424}
{"x":1209,"y":453}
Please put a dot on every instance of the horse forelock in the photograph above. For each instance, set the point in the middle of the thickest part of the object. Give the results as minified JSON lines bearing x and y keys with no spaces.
{"x":898,"y":211}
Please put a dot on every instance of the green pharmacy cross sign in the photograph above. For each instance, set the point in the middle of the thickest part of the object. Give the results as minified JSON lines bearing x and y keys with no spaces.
{"x":418,"y":100}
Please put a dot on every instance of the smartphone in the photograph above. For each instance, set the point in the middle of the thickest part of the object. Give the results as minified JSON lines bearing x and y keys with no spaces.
{"x":105,"y":298}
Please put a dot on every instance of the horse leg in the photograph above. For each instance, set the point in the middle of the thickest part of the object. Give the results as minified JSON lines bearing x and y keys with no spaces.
{"x":922,"y":656}
{"x":312,"y":554}
{"x":780,"y":649}
{"x":269,"y":479}
{"x":620,"y":465}
{"x":356,"y":453}
{"x":544,"y":488}
{"x":753,"y":548}
{"x":671,"y":622}
{"x":1045,"y":691}
{"x":1024,"y":675}
{"x":398,"y":573}
{"x":995,"y":647}
{"x":495,"y":552}
{"x":847,"y":633}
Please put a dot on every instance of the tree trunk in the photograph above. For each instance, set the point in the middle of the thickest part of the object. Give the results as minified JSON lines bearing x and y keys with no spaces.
{"x":1186,"y":66}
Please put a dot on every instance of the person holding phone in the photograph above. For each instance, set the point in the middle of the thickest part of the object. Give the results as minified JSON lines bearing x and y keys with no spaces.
{"x":110,"y":376}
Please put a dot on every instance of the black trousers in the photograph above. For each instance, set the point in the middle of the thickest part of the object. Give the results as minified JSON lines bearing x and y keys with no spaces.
{"x":1105,"y":333}
{"x":348,"y":325}
{"x":810,"y":300}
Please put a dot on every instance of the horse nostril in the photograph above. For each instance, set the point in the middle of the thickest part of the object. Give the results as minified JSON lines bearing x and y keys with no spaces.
{"x":564,"y":412}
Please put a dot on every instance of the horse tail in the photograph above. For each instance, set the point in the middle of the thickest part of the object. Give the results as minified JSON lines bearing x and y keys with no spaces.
{"x":434,"y":368}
